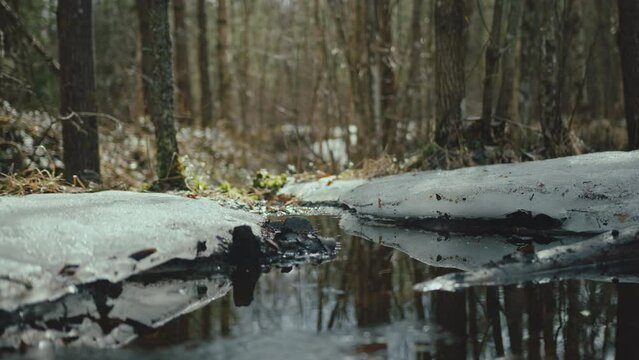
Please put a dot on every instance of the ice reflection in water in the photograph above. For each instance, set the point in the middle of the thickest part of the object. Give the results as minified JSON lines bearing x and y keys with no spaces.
{"x":363,"y":305}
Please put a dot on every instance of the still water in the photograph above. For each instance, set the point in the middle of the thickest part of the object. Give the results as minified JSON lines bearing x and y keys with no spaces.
{"x":362,"y":305}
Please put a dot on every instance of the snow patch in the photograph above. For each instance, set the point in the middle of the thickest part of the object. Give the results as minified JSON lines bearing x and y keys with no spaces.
{"x":49,"y":243}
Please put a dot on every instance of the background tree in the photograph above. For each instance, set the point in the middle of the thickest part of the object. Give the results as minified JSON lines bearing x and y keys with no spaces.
{"x":223,"y":68}
{"x":182,"y":66}
{"x":554,"y":129}
{"x":206,"y":96}
{"x":629,"y":49}
{"x":77,"y":90}
{"x":387,"y":90}
{"x":493,"y":54}
{"x":504,"y":110}
{"x":449,"y":71}
{"x":158,"y":92}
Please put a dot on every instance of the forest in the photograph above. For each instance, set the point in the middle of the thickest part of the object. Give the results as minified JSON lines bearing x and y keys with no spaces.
{"x":445,"y":179}
{"x":217,"y":90}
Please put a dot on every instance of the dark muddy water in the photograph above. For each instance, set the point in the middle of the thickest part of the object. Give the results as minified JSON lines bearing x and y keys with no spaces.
{"x":362,"y":306}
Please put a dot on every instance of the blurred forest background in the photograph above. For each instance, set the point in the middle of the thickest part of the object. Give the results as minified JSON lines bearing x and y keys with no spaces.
{"x":320,"y":86}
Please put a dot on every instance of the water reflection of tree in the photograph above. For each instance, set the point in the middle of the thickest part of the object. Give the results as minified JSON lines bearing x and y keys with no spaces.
{"x":369,"y":285}
{"x":448,"y":310}
{"x":627,"y":345}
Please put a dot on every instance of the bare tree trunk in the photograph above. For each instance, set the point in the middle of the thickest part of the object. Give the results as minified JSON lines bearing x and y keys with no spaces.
{"x":408,"y":101}
{"x":374,"y":287}
{"x":182,"y":71}
{"x":244,"y":60}
{"x":629,"y":49}
{"x":449,"y":71}
{"x":555,"y":130}
{"x":514,"y":308}
{"x":206,"y":97}
{"x":471,"y":300}
{"x":158,"y":90}
{"x":389,"y":123}
{"x":493,"y":53}
{"x":77,"y":90}
{"x":504,"y":110}
{"x":549,"y":306}
{"x":627,"y":346}
{"x":356,"y":52}
{"x":527,"y":107}
{"x":573,"y":324}
{"x":224,"y":76}
{"x":492,"y":309}
{"x":535,"y":322}
{"x":373,"y":90}
{"x":449,"y":313}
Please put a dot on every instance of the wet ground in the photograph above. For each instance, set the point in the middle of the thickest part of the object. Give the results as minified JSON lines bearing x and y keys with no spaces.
{"x":362,"y":305}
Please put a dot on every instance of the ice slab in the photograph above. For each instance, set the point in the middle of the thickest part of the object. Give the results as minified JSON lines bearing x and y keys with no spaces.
{"x":613,"y":255}
{"x":49,"y":243}
{"x":325,"y":191}
{"x":592,"y":192}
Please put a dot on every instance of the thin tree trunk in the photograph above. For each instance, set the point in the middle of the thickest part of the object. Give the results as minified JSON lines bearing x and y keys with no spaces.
{"x":449,"y":71}
{"x":491,"y":73}
{"x":206,"y":96}
{"x":408,"y":101}
{"x":629,"y":50}
{"x":244,"y":66}
{"x":492,"y":308}
{"x":158,"y":90}
{"x":388,"y":89}
{"x":627,"y":346}
{"x":504,"y":110}
{"x":554,"y":130}
{"x":549,"y":305}
{"x":449,"y":313}
{"x":514,"y":308}
{"x":77,"y":90}
{"x":355,"y":49}
{"x":374,"y":286}
{"x":535,"y":322}
{"x":573,"y":324}
{"x":182,"y":71}
{"x":224,"y":76}
{"x":528,"y":108}
{"x":472,"y":323}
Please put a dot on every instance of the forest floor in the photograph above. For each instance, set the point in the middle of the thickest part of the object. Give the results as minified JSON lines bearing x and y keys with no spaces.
{"x":217,"y":164}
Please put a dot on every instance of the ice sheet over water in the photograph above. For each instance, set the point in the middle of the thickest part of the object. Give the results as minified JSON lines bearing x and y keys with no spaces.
{"x":51,"y":242}
{"x":593,"y":192}
{"x":613,"y":255}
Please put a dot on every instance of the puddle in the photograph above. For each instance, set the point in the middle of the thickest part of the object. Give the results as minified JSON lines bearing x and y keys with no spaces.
{"x":359,"y":305}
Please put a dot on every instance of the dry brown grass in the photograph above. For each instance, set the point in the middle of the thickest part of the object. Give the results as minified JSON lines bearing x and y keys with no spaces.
{"x":371,"y":168}
{"x":35,"y":182}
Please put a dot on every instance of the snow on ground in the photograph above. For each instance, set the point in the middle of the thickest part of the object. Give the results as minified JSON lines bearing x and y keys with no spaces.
{"x":326,"y":190}
{"x":51,"y":242}
{"x":592,"y":192}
